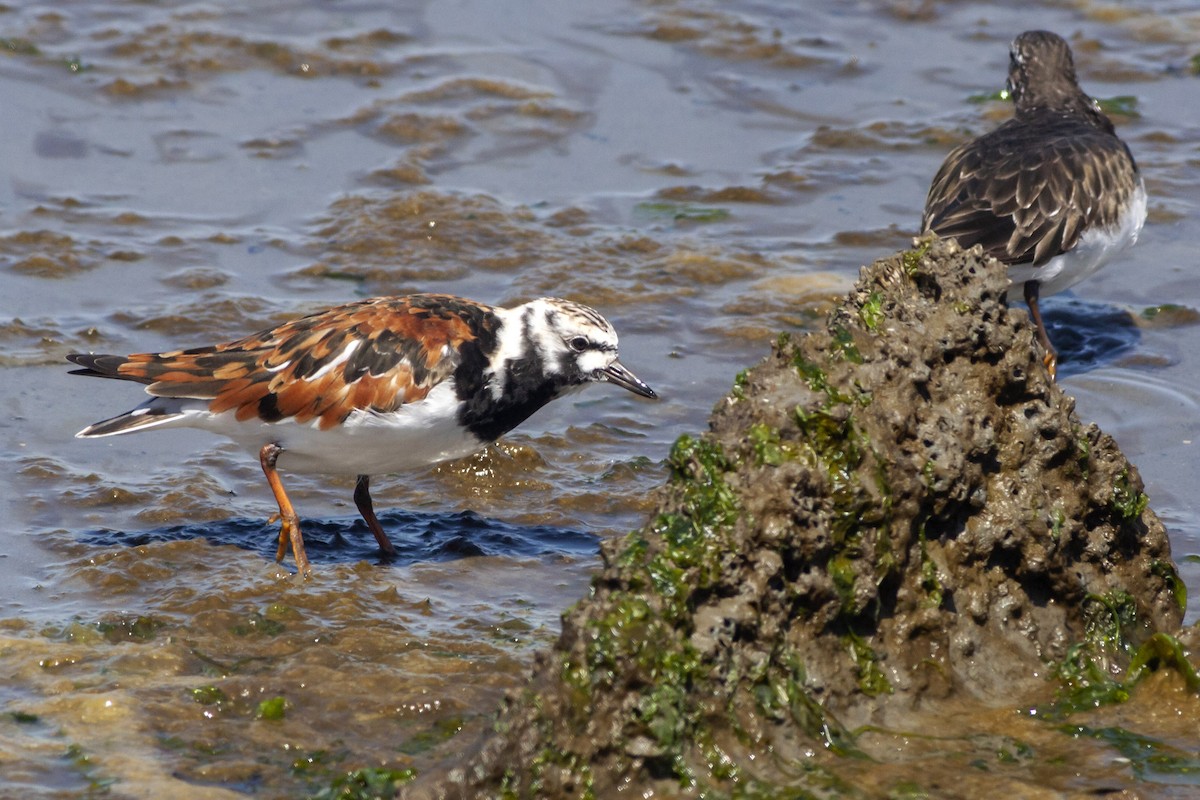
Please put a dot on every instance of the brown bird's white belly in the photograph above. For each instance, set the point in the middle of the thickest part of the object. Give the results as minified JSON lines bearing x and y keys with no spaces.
{"x":1096,"y":247}
{"x":366,"y":443}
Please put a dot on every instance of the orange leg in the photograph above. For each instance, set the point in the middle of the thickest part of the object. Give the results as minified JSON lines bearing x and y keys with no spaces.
{"x":1050,"y":359}
{"x":289,"y":529}
{"x":362,"y":499}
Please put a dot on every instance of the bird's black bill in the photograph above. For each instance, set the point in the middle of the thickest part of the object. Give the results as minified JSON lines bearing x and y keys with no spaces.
{"x":616,"y":373}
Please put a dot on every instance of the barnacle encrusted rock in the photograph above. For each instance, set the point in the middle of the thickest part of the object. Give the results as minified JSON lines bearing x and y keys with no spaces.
{"x":898,"y":511}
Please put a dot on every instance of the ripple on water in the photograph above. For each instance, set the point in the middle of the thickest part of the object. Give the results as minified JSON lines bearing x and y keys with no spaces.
{"x":417,"y":537}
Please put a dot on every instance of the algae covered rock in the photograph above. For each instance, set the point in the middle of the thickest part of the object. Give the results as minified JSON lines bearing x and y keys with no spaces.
{"x":898,"y":511}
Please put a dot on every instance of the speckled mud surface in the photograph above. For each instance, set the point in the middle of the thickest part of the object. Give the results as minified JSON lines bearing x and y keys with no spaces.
{"x":708,"y":174}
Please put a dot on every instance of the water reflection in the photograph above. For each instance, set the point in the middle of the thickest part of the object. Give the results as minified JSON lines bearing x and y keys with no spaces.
{"x":419,"y":537}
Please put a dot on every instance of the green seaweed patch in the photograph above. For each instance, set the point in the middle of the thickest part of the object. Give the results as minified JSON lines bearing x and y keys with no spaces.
{"x":780,"y":694}
{"x":317,"y":762}
{"x":1128,"y":502}
{"x":1162,"y":651}
{"x":740,"y":382}
{"x":656,"y":608}
{"x":371,"y":783}
{"x":1150,"y":759}
{"x":843,"y":576}
{"x":908,"y":790}
{"x":834,"y":445}
{"x":871,"y":679}
{"x":998,"y":96}
{"x":442,"y":731}
{"x":23,"y":717}
{"x":272,"y":709}
{"x":871,"y":311}
{"x":257,"y":624}
{"x":1058,"y":519}
{"x":209,"y":695}
{"x":81,"y":763}
{"x":681,"y":212}
{"x":1087,"y":670}
{"x":930,"y":581}
{"x":910,"y":260}
{"x":767,"y":447}
{"x":1166,"y":570}
{"x":1124,"y":105}
{"x":19,"y":46}
{"x":818,"y":380}
{"x":844,"y":346}
{"x":141,"y":628}
{"x":510,"y":784}
{"x":1090,"y":669}
{"x":708,"y":505}
{"x":1083,"y":452}
{"x":1014,"y":751}
{"x":1169,"y":315}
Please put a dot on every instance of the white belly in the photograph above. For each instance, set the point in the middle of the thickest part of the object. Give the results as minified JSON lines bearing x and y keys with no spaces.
{"x":416,"y":435}
{"x":1094,"y":249}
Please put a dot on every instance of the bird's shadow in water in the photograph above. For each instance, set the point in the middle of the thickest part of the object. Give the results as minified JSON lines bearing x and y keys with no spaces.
{"x":1087,"y":335}
{"x":417,"y":537}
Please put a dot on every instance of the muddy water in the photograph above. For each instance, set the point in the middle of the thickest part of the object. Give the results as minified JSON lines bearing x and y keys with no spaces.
{"x":704,"y":173}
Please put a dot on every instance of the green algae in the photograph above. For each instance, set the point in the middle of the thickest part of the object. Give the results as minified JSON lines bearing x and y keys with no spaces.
{"x":79,"y":761}
{"x":767,"y":445}
{"x":272,"y":709}
{"x":740,"y":382}
{"x":256,"y":624}
{"x":910,"y":260}
{"x":141,"y":628}
{"x":844,"y":346}
{"x":1166,"y":570}
{"x":681,"y":212}
{"x":373,"y":783}
{"x":780,"y":694}
{"x":1125,"y":105}
{"x":663,"y":718}
{"x":1162,"y":651}
{"x":19,"y":46}
{"x":1090,"y":673}
{"x":871,"y":679}
{"x":1128,"y":502}
{"x":1149,"y":758}
{"x":209,"y":695}
{"x":442,"y":731}
{"x":871,"y":312}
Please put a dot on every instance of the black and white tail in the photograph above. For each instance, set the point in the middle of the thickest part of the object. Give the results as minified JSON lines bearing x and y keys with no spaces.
{"x":152,"y":413}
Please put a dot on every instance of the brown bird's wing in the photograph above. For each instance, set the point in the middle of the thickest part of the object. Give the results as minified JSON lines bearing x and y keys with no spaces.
{"x":373,"y":355}
{"x":1027,"y":191}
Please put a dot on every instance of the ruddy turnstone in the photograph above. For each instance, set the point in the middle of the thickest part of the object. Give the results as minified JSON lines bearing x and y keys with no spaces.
{"x":1053,"y":192}
{"x":372,"y":387}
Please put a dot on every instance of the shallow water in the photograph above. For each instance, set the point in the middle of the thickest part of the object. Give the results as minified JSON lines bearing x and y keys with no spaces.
{"x":705,"y":173}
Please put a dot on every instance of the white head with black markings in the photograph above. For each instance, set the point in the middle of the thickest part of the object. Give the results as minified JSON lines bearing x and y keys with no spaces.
{"x":573,"y":345}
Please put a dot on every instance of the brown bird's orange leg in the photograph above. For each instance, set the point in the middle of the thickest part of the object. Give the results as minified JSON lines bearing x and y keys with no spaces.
{"x":1031,"y":300}
{"x":289,"y":528}
{"x":362,"y":499}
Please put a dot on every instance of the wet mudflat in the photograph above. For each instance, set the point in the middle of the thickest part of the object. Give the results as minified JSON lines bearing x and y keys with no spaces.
{"x":705,"y":174}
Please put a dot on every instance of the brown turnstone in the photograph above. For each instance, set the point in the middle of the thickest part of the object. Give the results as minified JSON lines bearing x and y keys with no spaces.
{"x":1053,"y":193}
{"x":372,"y":387}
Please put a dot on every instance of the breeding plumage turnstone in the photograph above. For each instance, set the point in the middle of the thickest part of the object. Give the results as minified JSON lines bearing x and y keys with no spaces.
{"x":1053,"y":192}
{"x":372,"y":387}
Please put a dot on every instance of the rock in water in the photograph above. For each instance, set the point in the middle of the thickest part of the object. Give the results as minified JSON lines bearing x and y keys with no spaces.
{"x":899,"y":511}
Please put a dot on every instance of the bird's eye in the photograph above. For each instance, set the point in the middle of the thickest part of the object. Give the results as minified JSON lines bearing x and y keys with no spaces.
{"x":578,"y":344}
